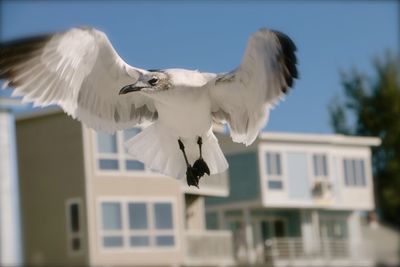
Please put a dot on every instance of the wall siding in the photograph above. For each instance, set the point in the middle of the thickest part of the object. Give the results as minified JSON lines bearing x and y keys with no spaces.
{"x":51,"y":170}
{"x":243,"y":179}
{"x":292,"y":218}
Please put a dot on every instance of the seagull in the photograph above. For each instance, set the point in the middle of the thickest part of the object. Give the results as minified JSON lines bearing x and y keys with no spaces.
{"x":80,"y":71}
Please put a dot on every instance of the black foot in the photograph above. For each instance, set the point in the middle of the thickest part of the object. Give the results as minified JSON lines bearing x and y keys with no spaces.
{"x":201,"y":167}
{"x":192,"y":177}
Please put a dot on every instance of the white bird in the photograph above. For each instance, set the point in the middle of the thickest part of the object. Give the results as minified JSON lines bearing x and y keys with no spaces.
{"x":80,"y":71}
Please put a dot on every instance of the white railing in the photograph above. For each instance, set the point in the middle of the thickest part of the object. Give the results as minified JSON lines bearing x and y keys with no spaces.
{"x":294,"y":248}
{"x":205,"y":248}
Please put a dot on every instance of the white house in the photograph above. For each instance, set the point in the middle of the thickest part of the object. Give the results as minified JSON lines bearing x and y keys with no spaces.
{"x":297,"y":199}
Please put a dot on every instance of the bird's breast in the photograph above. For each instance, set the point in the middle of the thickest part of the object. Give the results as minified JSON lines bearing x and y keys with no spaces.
{"x":185,"y":113}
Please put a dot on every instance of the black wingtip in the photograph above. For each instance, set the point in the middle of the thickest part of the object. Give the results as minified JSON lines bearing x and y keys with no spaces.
{"x":289,"y":58}
{"x":15,"y":52}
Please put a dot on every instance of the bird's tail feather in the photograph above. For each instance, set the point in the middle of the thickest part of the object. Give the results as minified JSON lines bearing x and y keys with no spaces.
{"x":159,"y":151}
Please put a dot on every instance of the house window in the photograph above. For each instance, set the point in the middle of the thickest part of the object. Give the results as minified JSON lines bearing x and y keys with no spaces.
{"x":137,"y":224}
{"x":112,"y":224}
{"x":320,"y":166}
{"x":74,"y":226}
{"x":274,"y":170}
{"x":112,"y":154}
{"x":354,"y":172}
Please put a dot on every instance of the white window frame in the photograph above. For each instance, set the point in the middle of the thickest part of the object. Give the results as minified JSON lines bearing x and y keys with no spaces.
{"x":71,"y":235}
{"x":121,"y":156}
{"x":274,"y":177}
{"x":126,"y":233}
{"x":317,"y":157}
{"x":357,"y":179}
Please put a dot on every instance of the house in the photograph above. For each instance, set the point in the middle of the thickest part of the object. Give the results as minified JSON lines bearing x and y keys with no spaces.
{"x":297,"y":199}
{"x":85,"y":202}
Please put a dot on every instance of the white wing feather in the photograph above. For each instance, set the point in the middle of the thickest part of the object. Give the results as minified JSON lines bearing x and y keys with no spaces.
{"x":80,"y":71}
{"x":242,"y":98}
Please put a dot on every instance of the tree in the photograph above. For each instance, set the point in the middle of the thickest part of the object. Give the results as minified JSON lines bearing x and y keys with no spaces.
{"x":373,"y":104}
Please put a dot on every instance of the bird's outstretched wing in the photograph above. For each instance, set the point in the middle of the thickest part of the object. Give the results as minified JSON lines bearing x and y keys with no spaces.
{"x":80,"y":71}
{"x":243,"y":97}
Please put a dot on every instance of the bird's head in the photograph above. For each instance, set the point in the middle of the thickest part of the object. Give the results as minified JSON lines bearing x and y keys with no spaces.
{"x":151,"y":82}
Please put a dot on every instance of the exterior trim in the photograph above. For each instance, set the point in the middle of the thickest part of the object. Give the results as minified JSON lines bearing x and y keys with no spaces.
{"x":332,"y":139}
{"x":125,"y":232}
{"x":70,"y":235}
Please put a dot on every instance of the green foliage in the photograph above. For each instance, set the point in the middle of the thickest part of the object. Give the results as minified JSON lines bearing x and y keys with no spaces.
{"x":374,"y":104}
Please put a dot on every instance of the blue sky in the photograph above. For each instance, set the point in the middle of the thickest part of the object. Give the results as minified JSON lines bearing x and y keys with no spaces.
{"x":211,"y":36}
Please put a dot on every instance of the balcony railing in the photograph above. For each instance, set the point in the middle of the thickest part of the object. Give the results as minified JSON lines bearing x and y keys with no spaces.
{"x":294,"y":248}
{"x":332,"y":252}
{"x":205,"y":248}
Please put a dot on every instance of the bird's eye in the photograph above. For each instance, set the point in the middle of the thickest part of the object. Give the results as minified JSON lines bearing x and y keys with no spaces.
{"x":153,"y":81}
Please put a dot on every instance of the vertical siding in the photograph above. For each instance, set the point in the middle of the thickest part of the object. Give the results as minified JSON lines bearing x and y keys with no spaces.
{"x":51,"y":170}
{"x":243,"y":179}
{"x":298,"y":181}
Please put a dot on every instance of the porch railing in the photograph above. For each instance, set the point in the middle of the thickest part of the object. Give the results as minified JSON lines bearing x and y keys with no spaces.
{"x":204,"y":248}
{"x":294,"y":248}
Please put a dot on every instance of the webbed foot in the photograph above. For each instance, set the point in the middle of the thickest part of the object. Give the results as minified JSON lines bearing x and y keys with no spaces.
{"x":201,"y":167}
{"x":192,"y":177}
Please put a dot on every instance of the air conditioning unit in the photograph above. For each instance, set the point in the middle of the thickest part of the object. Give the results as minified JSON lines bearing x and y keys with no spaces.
{"x":322,"y":189}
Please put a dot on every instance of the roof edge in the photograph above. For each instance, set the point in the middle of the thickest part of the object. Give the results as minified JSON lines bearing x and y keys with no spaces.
{"x":333,"y":139}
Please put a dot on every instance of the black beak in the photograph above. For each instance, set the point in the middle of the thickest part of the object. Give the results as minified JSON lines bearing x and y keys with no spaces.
{"x":130,"y":88}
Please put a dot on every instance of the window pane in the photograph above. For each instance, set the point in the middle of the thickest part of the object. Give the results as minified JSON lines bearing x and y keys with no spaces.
{"x":129,"y":133}
{"x":275,"y":185}
{"x":75,"y":244}
{"x":74,"y":217}
{"x":165,"y":240}
{"x":112,"y":241}
{"x":353,"y":172}
{"x":163,"y":215}
{"x":315,"y":161}
{"x":139,"y":241}
{"x":320,"y":165}
{"x":278,"y":164}
{"x":346,"y":168}
{"x":108,"y":164}
{"x":134,"y":165}
{"x":268,"y":164}
{"x":273,"y":164}
{"x":111,"y":216}
{"x":324,"y":166}
{"x":106,"y":143}
{"x":362,"y":173}
{"x":137,"y":216}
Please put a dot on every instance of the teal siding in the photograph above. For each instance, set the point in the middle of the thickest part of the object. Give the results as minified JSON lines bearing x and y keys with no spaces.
{"x":297,"y":174}
{"x":243,"y":179}
{"x":292,"y":218}
{"x":211,"y":221}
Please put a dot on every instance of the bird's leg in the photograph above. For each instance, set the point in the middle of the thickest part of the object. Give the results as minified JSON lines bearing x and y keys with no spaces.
{"x":200,"y":165}
{"x":192,"y":177}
